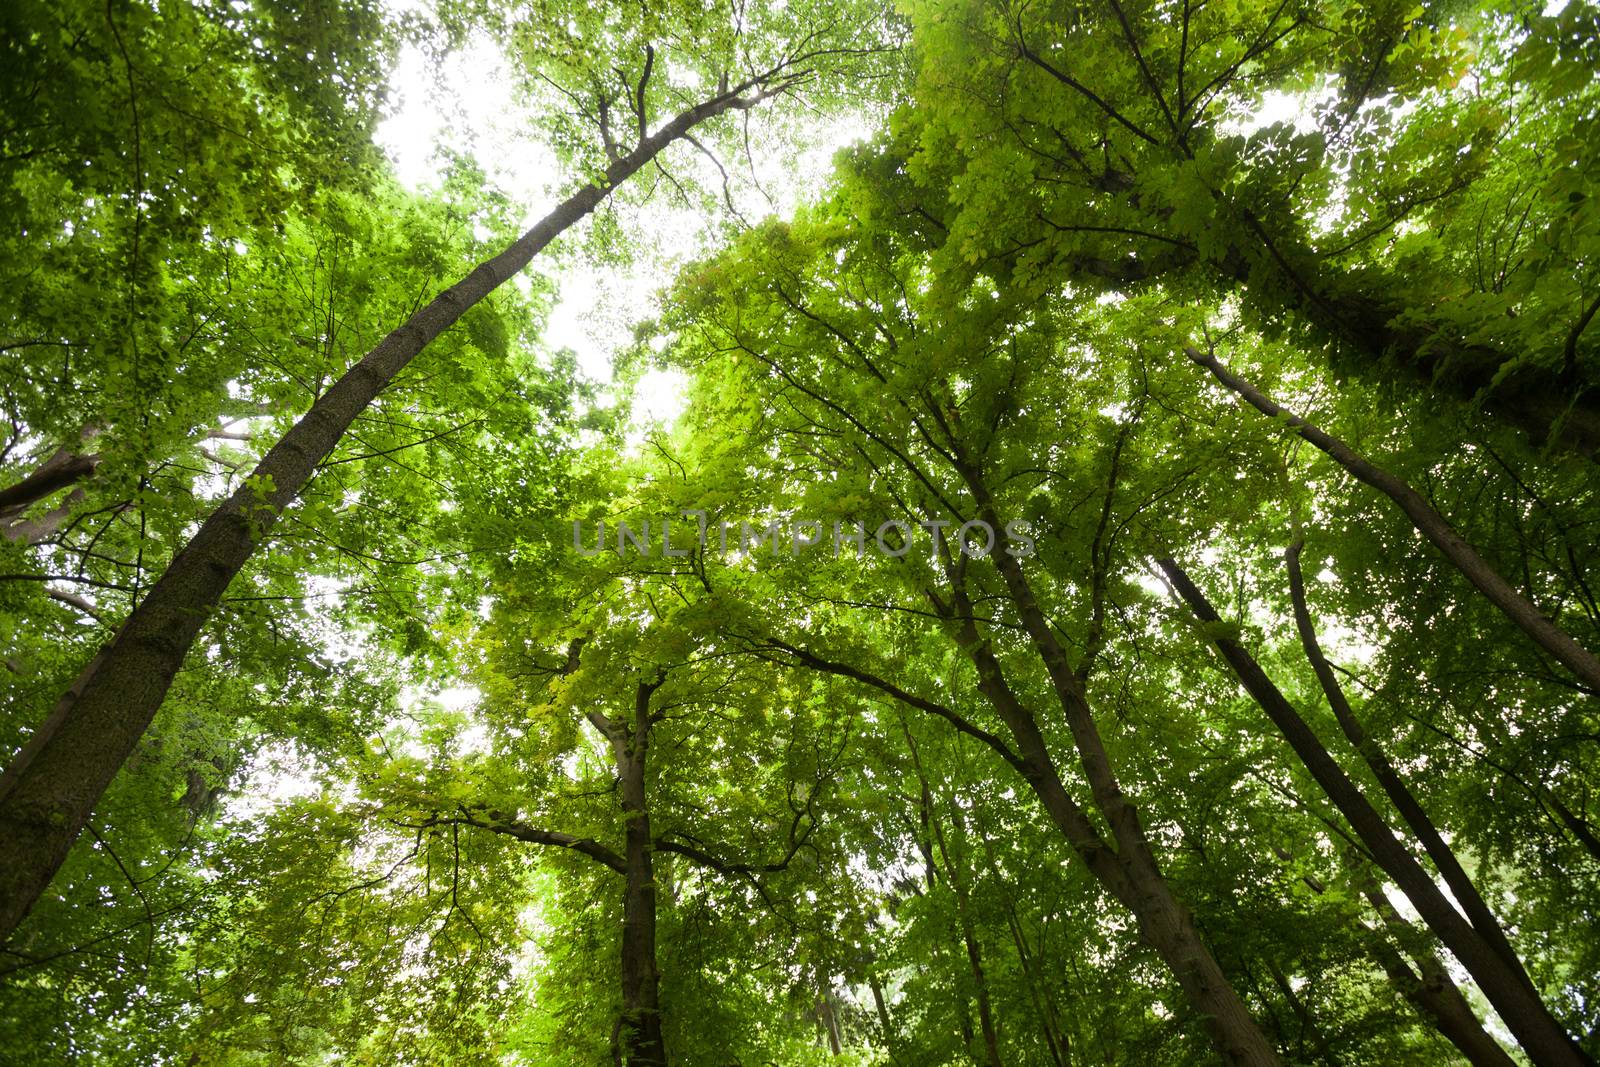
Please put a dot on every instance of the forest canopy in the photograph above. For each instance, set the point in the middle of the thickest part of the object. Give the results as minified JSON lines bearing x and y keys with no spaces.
{"x":995,"y":532}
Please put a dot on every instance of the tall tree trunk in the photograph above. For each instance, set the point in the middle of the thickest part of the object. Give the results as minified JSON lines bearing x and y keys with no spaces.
{"x":641,"y":981}
{"x":1434,"y":994}
{"x":1394,"y":786}
{"x":50,"y":788}
{"x":1132,"y":876}
{"x":1432,"y":991}
{"x":828,"y":1016}
{"x":40,"y":528}
{"x":1130,"y":869}
{"x":1507,"y":988}
{"x":1432,"y":525}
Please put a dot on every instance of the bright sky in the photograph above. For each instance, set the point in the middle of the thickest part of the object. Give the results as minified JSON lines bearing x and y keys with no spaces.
{"x":470,"y":106}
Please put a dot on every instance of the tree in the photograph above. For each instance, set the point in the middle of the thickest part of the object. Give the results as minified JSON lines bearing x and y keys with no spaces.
{"x":50,"y":787}
{"x":1004,"y":657}
{"x":1111,"y":150}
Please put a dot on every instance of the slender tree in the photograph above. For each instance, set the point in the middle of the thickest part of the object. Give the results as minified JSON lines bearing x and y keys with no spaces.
{"x":49,"y":789}
{"x":1497,"y":971}
{"x":1432,"y":525}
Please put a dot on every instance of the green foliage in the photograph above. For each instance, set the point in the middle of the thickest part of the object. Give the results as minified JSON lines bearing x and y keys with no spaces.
{"x":384,"y":814}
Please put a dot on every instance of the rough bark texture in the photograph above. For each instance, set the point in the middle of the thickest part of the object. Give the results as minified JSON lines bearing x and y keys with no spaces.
{"x":50,"y":788}
{"x":1507,"y":988}
{"x":1430,"y":524}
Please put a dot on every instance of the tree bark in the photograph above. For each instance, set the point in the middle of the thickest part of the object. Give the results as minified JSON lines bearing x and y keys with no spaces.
{"x":641,"y":981}
{"x":1394,"y":786}
{"x":41,"y":528}
{"x":1133,"y":877}
{"x":1126,"y":865}
{"x":1507,"y":988}
{"x":1164,"y":924}
{"x":1432,"y":525}
{"x":62,"y":469}
{"x":637,"y":1040}
{"x":1433,"y":992}
{"x":54,"y":782}
{"x":1130,"y":870}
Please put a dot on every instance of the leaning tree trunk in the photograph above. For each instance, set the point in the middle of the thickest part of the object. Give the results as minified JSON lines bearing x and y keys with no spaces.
{"x":1503,"y":982}
{"x":1431,"y":989}
{"x":1131,"y":870}
{"x":1135,"y":880}
{"x":1428,"y":522}
{"x":1388,"y":776}
{"x":64,"y":467}
{"x":55,"y":781}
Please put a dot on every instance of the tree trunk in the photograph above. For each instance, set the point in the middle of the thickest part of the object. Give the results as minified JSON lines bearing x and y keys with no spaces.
{"x":641,"y":982}
{"x":50,"y":788}
{"x":1507,"y":988}
{"x":1135,"y":880}
{"x":1430,"y":524}
{"x":41,"y":528}
{"x":1433,"y":992}
{"x":828,"y":1016}
{"x":1130,"y":870}
{"x":1394,"y":786}
{"x":62,"y":469}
